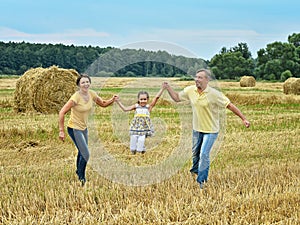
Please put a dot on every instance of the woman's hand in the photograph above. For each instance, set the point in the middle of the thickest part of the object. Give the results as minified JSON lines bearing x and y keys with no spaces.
{"x":62,"y":135}
{"x":116,"y":98}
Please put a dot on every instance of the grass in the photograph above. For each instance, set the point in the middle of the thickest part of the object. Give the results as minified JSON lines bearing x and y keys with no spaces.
{"x":254,"y":179}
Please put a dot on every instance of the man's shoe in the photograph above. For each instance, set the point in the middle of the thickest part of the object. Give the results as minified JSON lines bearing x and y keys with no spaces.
{"x":201,"y":185}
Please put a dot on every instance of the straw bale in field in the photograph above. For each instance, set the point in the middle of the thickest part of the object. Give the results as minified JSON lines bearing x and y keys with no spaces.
{"x":44,"y":90}
{"x":292,"y":86}
{"x":247,"y":81}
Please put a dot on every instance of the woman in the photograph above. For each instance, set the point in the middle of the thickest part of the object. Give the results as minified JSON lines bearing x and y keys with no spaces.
{"x":80,"y":104}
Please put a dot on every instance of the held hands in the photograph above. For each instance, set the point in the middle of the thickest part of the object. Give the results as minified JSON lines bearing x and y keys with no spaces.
{"x":116,"y":98}
{"x":165,"y":85}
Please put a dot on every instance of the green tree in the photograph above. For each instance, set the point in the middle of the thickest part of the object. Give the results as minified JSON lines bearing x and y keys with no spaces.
{"x":242,"y":48}
{"x":294,"y":39}
{"x":15,"y":58}
{"x":275,"y":59}
{"x":285,"y":75}
{"x":232,"y":63}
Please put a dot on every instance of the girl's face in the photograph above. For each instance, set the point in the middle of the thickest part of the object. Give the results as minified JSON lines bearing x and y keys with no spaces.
{"x":143,"y":99}
{"x":84,"y":84}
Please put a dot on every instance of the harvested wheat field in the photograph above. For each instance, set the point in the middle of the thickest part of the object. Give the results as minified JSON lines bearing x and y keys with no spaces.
{"x":254,"y":176}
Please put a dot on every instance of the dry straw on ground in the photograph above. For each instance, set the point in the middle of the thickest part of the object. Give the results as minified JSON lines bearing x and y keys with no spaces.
{"x":254,"y":179}
{"x":247,"y":81}
{"x":292,"y":86}
{"x":44,"y":90}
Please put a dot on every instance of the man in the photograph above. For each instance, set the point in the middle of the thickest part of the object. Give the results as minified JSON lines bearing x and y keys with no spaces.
{"x":207,"y":105}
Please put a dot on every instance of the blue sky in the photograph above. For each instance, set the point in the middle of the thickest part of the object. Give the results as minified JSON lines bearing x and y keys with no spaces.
{"x":193,"y":28}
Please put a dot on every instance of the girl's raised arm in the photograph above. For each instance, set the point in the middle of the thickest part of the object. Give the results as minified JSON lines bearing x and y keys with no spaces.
{"x":173,"y":94}
{"x":154,"y":101}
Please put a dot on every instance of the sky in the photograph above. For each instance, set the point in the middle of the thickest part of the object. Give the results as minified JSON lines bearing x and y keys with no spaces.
{"x":193,"y":28}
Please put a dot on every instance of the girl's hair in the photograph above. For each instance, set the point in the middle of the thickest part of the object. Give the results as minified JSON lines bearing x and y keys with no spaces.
{"x":142,"y":93}
{"x":81,"y":76}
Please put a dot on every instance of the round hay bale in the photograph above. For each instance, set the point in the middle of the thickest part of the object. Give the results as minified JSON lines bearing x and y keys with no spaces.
{"x":292,"y":86}
{"x":44,"y":90}
{"x":23,"y":93}
{"x":247,"y":81}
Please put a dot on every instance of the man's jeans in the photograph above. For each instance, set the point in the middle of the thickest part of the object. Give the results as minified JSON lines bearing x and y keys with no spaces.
{"x":80,"y":139}
{"x":202,"y":145}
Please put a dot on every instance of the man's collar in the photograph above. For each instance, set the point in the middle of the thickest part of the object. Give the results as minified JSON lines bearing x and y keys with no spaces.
{"x":205,"y":90}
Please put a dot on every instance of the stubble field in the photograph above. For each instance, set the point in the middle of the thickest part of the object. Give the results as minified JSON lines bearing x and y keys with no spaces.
{"x":254,"y":178}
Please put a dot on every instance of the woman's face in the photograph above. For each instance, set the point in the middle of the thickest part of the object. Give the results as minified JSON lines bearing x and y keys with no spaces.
{"x":143,"y":99}
{"x":84,"y":84}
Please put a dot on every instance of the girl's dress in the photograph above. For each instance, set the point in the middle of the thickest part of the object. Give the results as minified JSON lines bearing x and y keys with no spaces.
{"x":141,"y":123}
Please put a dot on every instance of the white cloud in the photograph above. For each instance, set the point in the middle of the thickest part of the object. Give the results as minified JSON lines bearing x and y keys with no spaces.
{"x":191,"y":43}
{"x":195,"y":35}
{"x":88,"y":32}
{"x":206,"y":43}
{"x":67,"y":37}
{"x":8,"y":33}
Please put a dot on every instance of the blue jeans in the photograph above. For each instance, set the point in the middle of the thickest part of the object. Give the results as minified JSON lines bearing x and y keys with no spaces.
{"x":202,"y":145}
{"x":80,"y":139}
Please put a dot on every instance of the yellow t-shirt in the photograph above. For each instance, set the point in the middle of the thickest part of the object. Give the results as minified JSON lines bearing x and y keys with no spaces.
{"x":81,"y":110}
{"x":209,"y":108}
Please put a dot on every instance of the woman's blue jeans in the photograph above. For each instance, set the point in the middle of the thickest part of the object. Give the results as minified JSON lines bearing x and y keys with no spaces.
{"x":202,"y":145}
{"x":80,"y":139}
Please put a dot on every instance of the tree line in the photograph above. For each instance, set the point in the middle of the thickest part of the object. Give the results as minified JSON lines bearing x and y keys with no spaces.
{"x":278,"y":61}
{"x":132,"y":63}
{"x":17,"y":58}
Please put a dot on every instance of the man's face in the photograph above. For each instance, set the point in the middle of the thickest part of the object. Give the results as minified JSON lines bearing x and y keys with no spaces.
{"x":201,"y":80}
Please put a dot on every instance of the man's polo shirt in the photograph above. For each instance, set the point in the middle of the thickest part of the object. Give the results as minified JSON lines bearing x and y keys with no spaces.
{"x":209,"y":108}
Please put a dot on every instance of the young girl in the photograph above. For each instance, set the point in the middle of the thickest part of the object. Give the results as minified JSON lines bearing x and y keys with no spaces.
{"x":141,"y":126}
